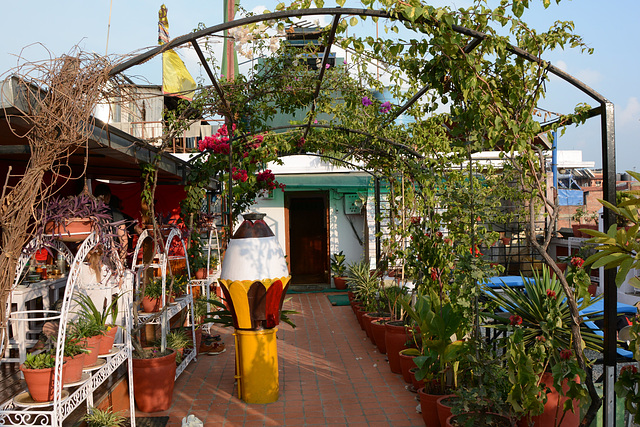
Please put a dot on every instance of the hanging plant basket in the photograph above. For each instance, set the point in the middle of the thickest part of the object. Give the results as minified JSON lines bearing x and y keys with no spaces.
{"x":71,"y":230}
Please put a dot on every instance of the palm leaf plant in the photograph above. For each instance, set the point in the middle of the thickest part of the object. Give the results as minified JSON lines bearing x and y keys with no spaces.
{"x":365,"y":285}
{"x":101,"y":418}
{"x":539,"y":340}
{"x":88,"y":309}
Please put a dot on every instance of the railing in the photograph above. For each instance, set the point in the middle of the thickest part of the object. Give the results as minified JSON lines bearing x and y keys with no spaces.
{"x":154,"y":131}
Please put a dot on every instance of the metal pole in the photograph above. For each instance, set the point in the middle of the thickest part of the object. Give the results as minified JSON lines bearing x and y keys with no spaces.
{"x":377,"y":220}
{"x":610,"y":289}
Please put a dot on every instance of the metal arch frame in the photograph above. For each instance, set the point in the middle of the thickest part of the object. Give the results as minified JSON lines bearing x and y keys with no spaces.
{"x":605,"y":110}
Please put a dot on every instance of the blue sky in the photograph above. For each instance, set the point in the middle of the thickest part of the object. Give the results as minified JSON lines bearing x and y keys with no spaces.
{"x":44,"y":28}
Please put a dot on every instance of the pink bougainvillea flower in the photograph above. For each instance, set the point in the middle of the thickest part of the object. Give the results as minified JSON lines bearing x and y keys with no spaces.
{"x":385,"y":107}
{"x":327,"y":66}
{"x":366,"y":101}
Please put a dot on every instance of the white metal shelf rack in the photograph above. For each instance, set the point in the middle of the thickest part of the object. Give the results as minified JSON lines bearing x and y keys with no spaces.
{"x":14,"y":413}
{"x":161,"y":260}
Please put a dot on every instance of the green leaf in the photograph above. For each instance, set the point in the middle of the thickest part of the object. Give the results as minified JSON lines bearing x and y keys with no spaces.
{"x":623,"y":271}
{"x":353,"y":21}
{"x":340,"y":2}
{"x":609,"y":261}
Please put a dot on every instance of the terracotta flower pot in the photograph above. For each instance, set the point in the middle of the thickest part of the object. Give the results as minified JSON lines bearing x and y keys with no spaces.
{"x":72,"y":372}
{"x":359,"y":313}
{"x":443,"y":405}
{"x":378,"y":332}
{"x":396,"y":335}
{"x":406,"y":363}
{"x":351,"y":296}
{"x":153,"y":382}
{"x":201,"y":273}
{"x":414,"y":381}
{"x":484,"y":419}
{"x":429,"y":408}
{"x":150,"y":305}
{"x":93,"y":345}
{"x":198,"y":340}
{"x":40,"y":382}
{"x":547,"y":418}
{"x":107,"y":340}
{"x":340,"y":282}
{"x":368,"y":319}
{"x":74,"y":229}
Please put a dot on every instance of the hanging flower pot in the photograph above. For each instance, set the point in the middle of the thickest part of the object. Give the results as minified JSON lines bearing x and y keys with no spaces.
{"x":71,"y":230}
{"x":153,"y":382}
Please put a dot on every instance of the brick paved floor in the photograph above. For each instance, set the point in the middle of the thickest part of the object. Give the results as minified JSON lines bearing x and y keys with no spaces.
{"x":330,"y":375}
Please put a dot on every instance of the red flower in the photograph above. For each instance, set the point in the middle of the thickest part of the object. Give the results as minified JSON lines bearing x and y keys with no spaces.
{"x":541,"y":338}
{"x":565,"y":354}
{"x":577,"y":261}
{"x":551,"y":294}
{"x":434,"y":274}
{"x":515,"y":320}
{"x":631,"y":368}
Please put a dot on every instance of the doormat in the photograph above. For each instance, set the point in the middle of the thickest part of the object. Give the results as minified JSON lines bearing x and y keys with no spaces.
{"x":151,"y":421}
{"x":338,"y":300}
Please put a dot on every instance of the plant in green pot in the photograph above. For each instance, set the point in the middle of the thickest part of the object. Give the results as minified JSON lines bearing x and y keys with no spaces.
{"x":338,"y":268}
{"x":548,"y":385}
{"x":39,"y":371}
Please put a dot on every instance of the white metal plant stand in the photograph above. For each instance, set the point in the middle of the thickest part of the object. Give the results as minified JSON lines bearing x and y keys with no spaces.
{"x":17,"y":413}
{"x":161,"y":261}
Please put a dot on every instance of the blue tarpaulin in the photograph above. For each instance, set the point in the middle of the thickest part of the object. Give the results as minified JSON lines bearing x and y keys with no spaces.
{"x":568,"y":197}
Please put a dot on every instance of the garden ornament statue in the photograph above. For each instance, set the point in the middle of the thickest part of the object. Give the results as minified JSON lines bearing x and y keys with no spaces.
{"x":254,"y":279}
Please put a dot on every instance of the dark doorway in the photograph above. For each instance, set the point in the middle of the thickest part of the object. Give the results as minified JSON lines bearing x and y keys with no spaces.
{"x":307,"y":230}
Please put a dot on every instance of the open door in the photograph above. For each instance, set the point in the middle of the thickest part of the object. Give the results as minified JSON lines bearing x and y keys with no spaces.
{"x":307,"y":237}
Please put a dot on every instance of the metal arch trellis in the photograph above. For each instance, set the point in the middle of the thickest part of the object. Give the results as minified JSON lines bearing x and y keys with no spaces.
{"x":605,"y":111}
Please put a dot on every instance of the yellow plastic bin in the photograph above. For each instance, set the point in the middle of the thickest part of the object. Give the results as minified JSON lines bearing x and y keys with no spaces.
{"x":257,"y":365}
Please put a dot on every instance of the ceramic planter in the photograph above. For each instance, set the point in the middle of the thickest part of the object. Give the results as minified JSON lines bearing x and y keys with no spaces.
{"x":74,"y":229}
{"x":414,"y":381}
{"x":340,"y":282}
{"x":406,"y":362}
{"x":359,"y":313}
{"x":150,"y":305}
{"x":107,"y":340}
{"x":429,"y":408}
{"x":554,"y":404}
{"x":368,"y":319}
{"x":486,"y":419}
{"x":72,"y":372}
{"x":93,"y":345}
{"x":153,"y":382}
{"x":443,"y":405}
{"x":378,"y":332}
{"x":396,"y":336}
{"x":40,"y":382}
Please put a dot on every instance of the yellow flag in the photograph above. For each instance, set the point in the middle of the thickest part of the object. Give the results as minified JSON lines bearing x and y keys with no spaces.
{"x":176,"y":80}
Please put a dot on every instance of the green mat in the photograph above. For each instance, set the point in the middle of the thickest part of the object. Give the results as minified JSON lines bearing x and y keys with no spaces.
{"x":339,"y":299}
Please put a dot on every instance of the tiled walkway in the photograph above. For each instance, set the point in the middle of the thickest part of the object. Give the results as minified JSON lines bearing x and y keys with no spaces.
{"x":330,"y":374}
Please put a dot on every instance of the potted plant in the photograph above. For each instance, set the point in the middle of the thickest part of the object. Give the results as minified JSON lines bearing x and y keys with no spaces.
{"x":152,"y":299}
{"x":338,"y":267}
{"x":392,"y":310}
{"x":38,"y":371}
{"x":178,"y":340}
{"x":90,"y":312}
{"x":72,"y":218}
{"x":365,"y":286}
{"x":441,"y":328}
{"x":74,"y":357}
{"x":104,"y":418}
{"x":541,"y":364}
{"x":154,"y":374}
{"x":91,"y":332}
